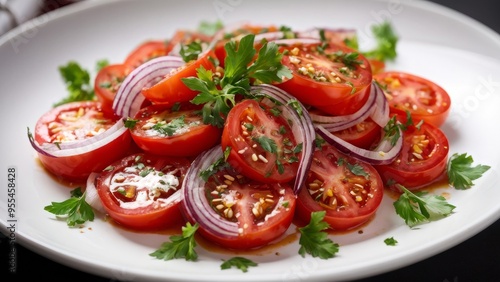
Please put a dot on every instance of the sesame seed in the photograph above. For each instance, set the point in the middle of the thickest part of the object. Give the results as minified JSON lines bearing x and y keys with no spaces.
{"x":263,"y":159}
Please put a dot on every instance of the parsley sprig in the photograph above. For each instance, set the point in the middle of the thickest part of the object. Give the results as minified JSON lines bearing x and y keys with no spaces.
{"x":76,"y":210}
{"x":241,"y":71}
{"x":421,"y":207}
{"x":313,"y":240}
{"x":179,"y":246}
{"x":461,"y":173}
{"x":238,"y":262}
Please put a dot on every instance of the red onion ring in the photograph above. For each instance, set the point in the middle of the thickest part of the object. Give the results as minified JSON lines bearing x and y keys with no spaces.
{"x":73,"y":148}
{"x":383,"y":154}
{"x":193,"y":200}
{"x":128,"y":99}
{"x":302,"y":127}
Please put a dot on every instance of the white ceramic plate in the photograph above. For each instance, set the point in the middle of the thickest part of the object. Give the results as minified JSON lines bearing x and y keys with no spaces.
{"x":464,"y":63}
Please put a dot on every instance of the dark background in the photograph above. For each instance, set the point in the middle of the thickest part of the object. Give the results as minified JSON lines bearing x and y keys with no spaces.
{"x":477,"y":259}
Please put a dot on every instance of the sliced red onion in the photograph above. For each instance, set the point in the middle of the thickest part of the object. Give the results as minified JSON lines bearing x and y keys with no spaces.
{"x":74,"y":148}
{"x":194,"y":201}
{"x":341,"y":33}
{"x":302,"y":127}
{"x":337,"y":123}
{"x":380,"y":111}
{"x":294,"y":41}
{"x":128,"y":99}
{"x":91,"y":195}
{"x":384,"y":153}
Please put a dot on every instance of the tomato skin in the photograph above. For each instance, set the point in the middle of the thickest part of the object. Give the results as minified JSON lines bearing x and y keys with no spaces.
{"x":427,"y":100}
{"x":78,"y":167}
{"x":336,"y":98}
{"x":171,"y":89}
{"x":146,"y":51}
{"x":408,"y":170}
{"x":145,"y":218}
{"x":264,"y":124}
{"x":332,"y":175}
{"x":107,"y":82}
{"x":188,"y":144}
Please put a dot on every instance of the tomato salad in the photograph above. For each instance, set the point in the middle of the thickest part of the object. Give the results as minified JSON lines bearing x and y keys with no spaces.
{"x":241,"y":133}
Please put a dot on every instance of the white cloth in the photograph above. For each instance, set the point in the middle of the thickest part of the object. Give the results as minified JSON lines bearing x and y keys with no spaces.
{"x":15,"y":12}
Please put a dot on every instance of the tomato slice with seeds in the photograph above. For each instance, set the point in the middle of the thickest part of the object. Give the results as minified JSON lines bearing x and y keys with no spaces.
{"x":142,"y":191}
{"x":107,"y":82}
{"x":362,"y":135}
{"x":165,"y":131}
{"x":348,"y":190}
{"x":335,"y":79}
{"x":424,"y":99}
{"x":262,"y":212}
{"x":422,"y":160}
{"x":79,"y":121}
{"x":262,"y":143}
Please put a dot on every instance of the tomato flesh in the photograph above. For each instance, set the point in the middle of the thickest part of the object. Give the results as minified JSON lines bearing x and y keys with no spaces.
{"x":422,"y":160}
{"x":262,"y":144}
{"x":135,"y":191}
{"x":335,"y":79}
{"x":107,"y":82}
{"x":181,"y":132}
{"x":79,"y":121}
{"x":349,"y":191}
{"x":422,"y":98}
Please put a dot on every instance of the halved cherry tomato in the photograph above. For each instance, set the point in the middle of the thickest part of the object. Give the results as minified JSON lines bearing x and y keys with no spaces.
{"x":138,"y":191}
{"x":350,"y":191}
{"x":262,"y":143}
{"x":422,"y":160}
{"x":335,"y":79}
{"x":147,"y":51}
{"x":262,"y":212}
{"x":79,"y":121}
{"x":424,"y":99}
{"x":164,"y":131}
{"x":362,"y":135}
{"x":107,"y":82}
{"x":171,"y":89}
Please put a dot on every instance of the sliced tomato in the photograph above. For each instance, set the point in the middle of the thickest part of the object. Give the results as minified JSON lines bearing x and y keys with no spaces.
{"x":422,"y":160}
{"x":261,"y":212}
{"x":362,"y":135}
{"x":142,"y":191}
{"x":335,"y":79}
{"x":171,"y":89}
{"x":424,"y":99}
{"x":164,"y":131}
{"x":107,"y":82}
{"x":79,"y":121}
{"x":348,"y":190}
{"x":147,"y":51}
{"x":262,"y":143}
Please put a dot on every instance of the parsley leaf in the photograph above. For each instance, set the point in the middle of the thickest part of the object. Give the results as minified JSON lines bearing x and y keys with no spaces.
{"x":314,"y":241}
{"x":461,"y":173}
{"x":386,"y":40}
{"x":267,"y":144}
{"x":180,"y":246}
{"x":421,"y":207}
{"x":190,"y":51}
{"x":391,"y":241}
{"x":241,"y":70}
{"x":77,"y":82}
{"x":209,"y":28}
{"x":76,"y":209}
{"x":238,"y":262}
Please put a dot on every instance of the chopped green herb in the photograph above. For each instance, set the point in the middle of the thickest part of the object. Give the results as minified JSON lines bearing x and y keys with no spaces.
{"x":238,"y":262}
{"x":190,"y":51}
{"x":180,"y":246}
{"x":130,"y":123}
{"x":77,"y":82}
{"x":421,"y":207}
{"x":386,"y":40}
{"x":391,"y":241}
{"x":75,"y":209}
{"x":313,"y":240}
{"x":461,"y":173}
